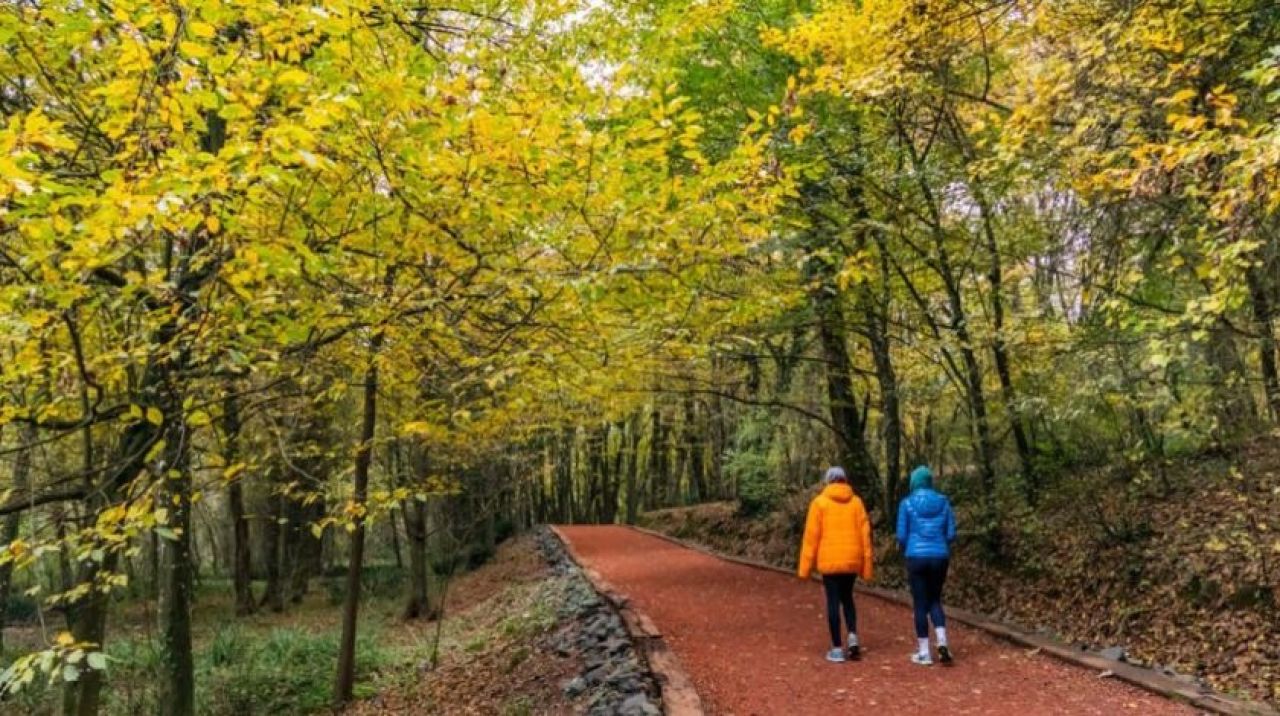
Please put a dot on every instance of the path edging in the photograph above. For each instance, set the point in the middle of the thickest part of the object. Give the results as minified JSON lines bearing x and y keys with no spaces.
{"x":1141,"y":677}
{"x":679,"y":698}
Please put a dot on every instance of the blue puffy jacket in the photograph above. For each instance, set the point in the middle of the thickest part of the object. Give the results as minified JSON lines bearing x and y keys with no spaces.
{"x":926,"y":524}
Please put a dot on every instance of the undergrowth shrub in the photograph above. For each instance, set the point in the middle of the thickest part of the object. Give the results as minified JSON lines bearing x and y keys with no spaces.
{"x":239,"y":673}
{"x":290,"y":671}
{"x":751,"y":462}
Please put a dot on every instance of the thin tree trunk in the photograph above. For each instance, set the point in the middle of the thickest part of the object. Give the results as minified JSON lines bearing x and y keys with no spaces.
{"x":241,"y":557}
{"x":294,"y":571}
{"x":633,"y":468}
{"x":659,"y":461}
{"x":995,"y":277}
{"x":395,"y":538}
{"x":1263,"y":315}
{"x":304,"y":548}
{"x":88,"y":617}
{"x":177,"y":688}
{"x":982,"y":425}
{"x":272,"y":535}
{"x":693,"y":451}
{"x":13,"y":522}
{"x":345,"y":684}
{"x":564,"y":488}
{"x":841,"y":400}
{"x":615,"y":482}
{"x":886,"y":377}
{"x":418,"y":605}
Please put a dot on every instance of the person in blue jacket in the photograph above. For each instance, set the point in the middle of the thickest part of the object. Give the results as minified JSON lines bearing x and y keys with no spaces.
{"x":926,"y":529}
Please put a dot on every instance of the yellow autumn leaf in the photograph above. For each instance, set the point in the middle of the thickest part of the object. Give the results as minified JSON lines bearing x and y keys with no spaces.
{"x":202,"y":30}
{"x":193,"y":49}
{"x":293,"y":76}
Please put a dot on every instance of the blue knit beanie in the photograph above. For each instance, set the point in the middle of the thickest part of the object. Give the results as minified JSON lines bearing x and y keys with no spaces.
{"x":834,"y":473}
{"x":921,"y":477}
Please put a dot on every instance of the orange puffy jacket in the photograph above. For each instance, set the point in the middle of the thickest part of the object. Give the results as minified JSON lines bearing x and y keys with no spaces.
{"x":837,"y":534}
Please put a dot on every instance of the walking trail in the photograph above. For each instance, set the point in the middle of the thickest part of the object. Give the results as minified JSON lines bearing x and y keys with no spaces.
{"x":753,"y":642}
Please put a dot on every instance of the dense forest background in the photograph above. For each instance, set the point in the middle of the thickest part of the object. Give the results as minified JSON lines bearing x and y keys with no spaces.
{"x":345,"y":294}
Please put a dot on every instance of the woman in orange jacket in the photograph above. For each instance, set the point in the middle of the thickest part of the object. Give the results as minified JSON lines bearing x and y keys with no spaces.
{"x":837,"y":539}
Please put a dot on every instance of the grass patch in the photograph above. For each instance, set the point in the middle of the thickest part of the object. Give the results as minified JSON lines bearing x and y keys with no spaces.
{"x":241,"y":671}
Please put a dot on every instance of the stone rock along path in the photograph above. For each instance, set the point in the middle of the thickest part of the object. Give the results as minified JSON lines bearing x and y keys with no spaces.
{"x":753,"y":642}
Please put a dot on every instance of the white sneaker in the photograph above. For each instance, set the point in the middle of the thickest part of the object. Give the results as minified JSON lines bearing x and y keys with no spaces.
{"x":836,"y":655}
{"x":921,"y":659}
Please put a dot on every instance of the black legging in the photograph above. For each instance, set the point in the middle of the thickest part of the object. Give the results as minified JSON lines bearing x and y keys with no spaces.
{"x":839,"y":589}
{"x":927,"y":577}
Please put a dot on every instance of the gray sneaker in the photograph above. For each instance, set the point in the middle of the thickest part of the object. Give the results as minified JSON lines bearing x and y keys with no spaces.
{"x":853,"y":652}
{"x":921,"y":659}
{"x":836,"y":655}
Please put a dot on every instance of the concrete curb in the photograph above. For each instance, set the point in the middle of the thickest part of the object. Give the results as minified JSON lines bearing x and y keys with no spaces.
{"x":679,"y":698}
{"x":1141,"y":677}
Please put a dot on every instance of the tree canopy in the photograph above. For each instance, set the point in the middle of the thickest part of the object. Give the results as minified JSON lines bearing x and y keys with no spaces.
{"x":350,"y":259}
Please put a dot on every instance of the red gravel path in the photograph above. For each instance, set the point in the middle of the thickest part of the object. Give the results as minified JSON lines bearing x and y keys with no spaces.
{"x":753,"y":642}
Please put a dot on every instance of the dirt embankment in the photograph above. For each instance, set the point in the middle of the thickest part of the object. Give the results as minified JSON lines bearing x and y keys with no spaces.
{"x":1179,"y":571}
{"x":524,"y":634}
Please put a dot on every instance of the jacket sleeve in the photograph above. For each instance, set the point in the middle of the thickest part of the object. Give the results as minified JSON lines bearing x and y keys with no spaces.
{"x":904,"y":525}
{"x":951,"y":524}
{"x":868,"y":554}
{"x":812,"y":536}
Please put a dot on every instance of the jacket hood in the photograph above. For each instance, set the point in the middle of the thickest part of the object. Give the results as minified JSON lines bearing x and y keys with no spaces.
{"x":838,"y":491}
{"x":921,"y":477}
{"x":927,"y":503}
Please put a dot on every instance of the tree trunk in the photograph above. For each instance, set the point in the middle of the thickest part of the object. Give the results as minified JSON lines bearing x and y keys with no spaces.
{"x":346,"y":679}
{"x":395,"y":538}
{"x":13,"y":522}
{"x":633,"y":468}
{"x":614,"y":485}
{"x":841,"y":401}
{"x":88,"y":617}
{"x":241,"y":557}
{"x":177,"y":688}
{"x":995,"y":277}
{"x":693,"y":451}
{"x":982,"y":426}
{"x":419,"y":604}
{"x":564,"y":476}
{"x":1263,"y":316}
{"x":660,"y":461}
{"x":303,"y":547}
{"x":272,"y":536}
{"x":891,"y":428}
{"x":1233,"y":402}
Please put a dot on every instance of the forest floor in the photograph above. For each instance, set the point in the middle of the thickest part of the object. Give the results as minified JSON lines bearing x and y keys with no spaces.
{"x":754,"y":642}
{"x":490,"y":660}
{"x":493,"y":656}
{"x":1177,"y":569}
